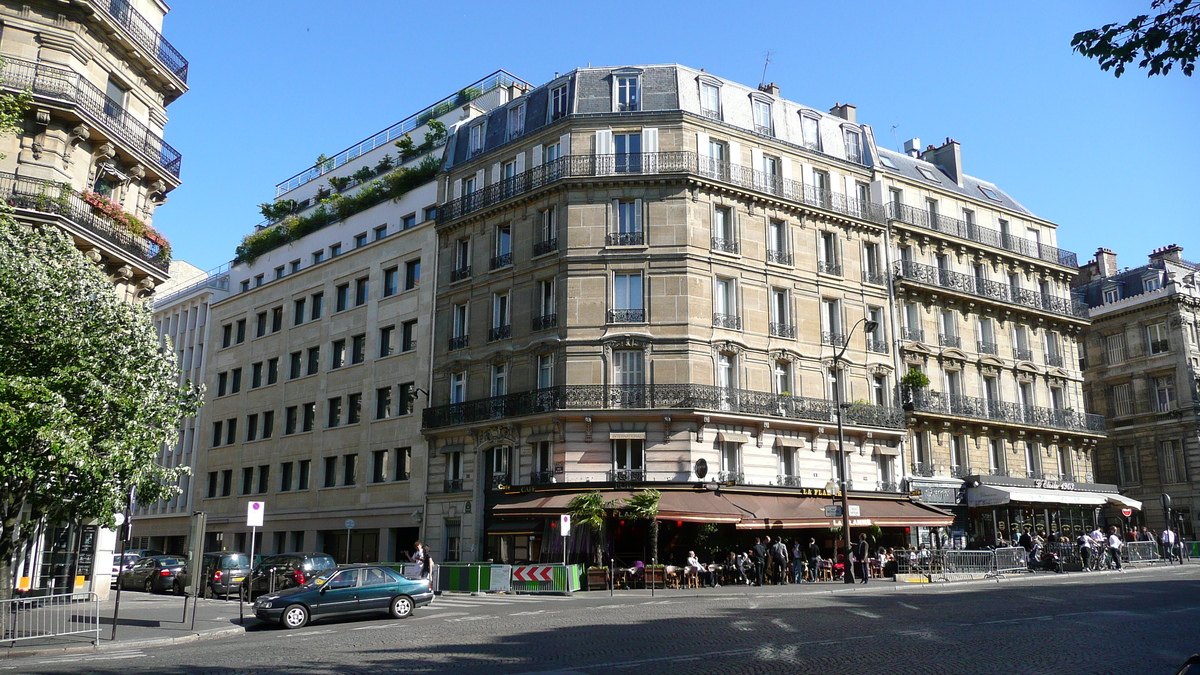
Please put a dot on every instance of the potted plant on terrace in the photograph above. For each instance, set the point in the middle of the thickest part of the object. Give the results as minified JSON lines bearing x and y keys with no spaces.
{"x":589,"y":513}
{"x":643,"y":505}
{"x":913,"y":382}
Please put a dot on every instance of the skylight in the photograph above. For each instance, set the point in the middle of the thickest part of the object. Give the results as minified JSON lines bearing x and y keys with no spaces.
{"x":989,"y":193}
{"x":887,"y":162}
{"x":928,"y":173}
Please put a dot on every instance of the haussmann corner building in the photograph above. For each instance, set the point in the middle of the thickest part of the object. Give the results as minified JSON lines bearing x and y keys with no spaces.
{"x":90,"y":158}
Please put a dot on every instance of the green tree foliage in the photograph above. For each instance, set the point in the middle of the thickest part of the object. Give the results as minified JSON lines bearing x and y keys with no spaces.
{"x":589,"y":513}
{"x":1159,"y":42}
{"x":643,"y":505}
{"x":87,"y":395}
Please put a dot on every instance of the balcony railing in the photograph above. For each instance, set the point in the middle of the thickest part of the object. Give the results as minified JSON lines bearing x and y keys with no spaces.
{"x":545,"y":322}
{"x":729,"y":321}
{"x":67,"y":85}
{"x":500,"y":332}
{"x":832,"y":338}
{"x":946,"y":340}
{"x":659,"y":396}
{"x":1000,"y":411}
{"x":888,"y":486}
{"x":1035,"y":474}
{"x":735,"y":477}
{"x":637,"y":238}
{"x":724,"y":245}
{"x":965,"y":283}
{"x":788,"y":480}
{"x":877,"y":346}
{"x":146,"y":35}
{"x":783,"y":330}
{"x":988,"y":348}
{"x":544,"y":247}
{"x":831,"y":268}
{"x":460,"y":274}
{"x":1160,"y":346}
{"x":779,"y":257}
{"x":997,"y":471}
{"x":656,"y":163}
{"x":1022,"y":353}
{"x":626,"y":475}
{"x":1054,"y":360}
{"x":541,"y":477}
{"x":877,"y":277}
{"x":960,"y":471}
{"x":459,"y":342}
{"x":452,"y":485}
{"x":912,"y":334}
{"x":982,"y":235}
{"x":44,"y":196}
{"x":626,"y":316}
{"x":504,"y":260}
{"x":499,"y":481}
{"x":924,"y":469}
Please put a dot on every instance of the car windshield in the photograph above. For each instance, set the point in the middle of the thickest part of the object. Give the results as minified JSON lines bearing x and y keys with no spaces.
{"x":167,"y":562}
{"x":232,"y":561}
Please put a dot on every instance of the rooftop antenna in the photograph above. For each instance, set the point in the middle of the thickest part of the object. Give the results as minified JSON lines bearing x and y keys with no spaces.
{"x":766,"y":63}
{"x":894,"y":139}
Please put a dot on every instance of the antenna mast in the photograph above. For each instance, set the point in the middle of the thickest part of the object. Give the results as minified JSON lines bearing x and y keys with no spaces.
{"x":766,"y":63}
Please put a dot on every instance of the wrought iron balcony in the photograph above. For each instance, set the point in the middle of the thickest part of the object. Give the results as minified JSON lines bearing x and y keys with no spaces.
{"x":500,"y":332}
{"x":545,"y":322}
{"x":729,"y":321}
{"x":58,"y":199}
{"x":659,"y":396}
{"x":788,"y":480}
{"x":877,"y":277}
{"x":964,"y":283}
{"x":888,"y":486}
{"x":459,"y":342}
{"x":626,"y":475}
{"x":682,"y":163}
{"x":924,"y":469}
{"x":545,"y":477}
{"x":504,"y":260}
{"x":1022,"y":353}
{"x":626,"y":316}
{"x":1001,"y":411}
{"x":947,"y":340}
{"x":499,"y":481}
{"x":997,"y":471}
{"x":831,"y":268}
{"x":637,"y":238}
{"x":877,"y":346}
{"x":960,"y":471}
{"x":735,"y":477}
{"x":1036,"y":475}
{"x":1160,"y":346}
{"x":460,"y":274}
{"x":783,"y":330}
{"x":912,"y":334}
{"x":452,"y":485}
{"x":724,"y":245}
{"x":982,"y":235}
{"x":832,"y":338}
{"x":779,"y":257}
{"x":763,"y":131}
{"x":1054,"y":360}
{"x":988,"y":348}
{"x":146,"y":36}
{"x":544,"y":247}
{"x":93,"y":104}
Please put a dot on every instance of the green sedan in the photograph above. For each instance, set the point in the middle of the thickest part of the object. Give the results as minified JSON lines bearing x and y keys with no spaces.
{"x":354,"y":589}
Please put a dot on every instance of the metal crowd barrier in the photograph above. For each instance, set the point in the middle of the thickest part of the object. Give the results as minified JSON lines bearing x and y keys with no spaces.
{"x":1011,"y":560}
{"x":1140,"y":552}
{"x":50,"y":616}
{"x":1068,"y":554}
{"x":968,"y":562}
{"x":940,"y":563}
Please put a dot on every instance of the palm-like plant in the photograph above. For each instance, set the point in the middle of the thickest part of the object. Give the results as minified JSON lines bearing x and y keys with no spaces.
{"x":590,"y":512}
{"x":643,"y":505}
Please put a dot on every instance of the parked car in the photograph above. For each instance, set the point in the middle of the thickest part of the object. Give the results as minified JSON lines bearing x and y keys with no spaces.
{"x":355,"y":589}
{"x":121,"y":564}
{"x":286,"y":570}
{"x":221,"y":574}
{"x":155,"y":574}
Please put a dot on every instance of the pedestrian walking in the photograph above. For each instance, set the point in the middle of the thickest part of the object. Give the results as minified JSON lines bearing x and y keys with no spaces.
{"x":779,"y":556}
{"x":798,"y":559}
{"x":861,"y":558}
{"x":1085,"y":551}
{"x":1168,"y":545}
{"x":1115,"y":543}
{"x":759,"y":555}
{"x":814,"y":559}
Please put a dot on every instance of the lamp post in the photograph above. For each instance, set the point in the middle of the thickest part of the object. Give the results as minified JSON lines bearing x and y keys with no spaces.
{"x":843,"y":470}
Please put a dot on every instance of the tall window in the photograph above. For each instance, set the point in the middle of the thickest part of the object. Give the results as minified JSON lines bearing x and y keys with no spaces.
{"x":872,"y":272}
{"x":854,"y":146}
{"x":627,"y":297}
{"x":516,"y":121}
{"x":995,"y":455}
{"x":987,"y":336}
{"x":475,"y":141}
{"x":949,"y":336}
{"x":499,"y":379}
{"x":783,"y":378}
{"x":503,"y":255}
{"x":726,"y":371}
{"x":558,"y":102}
{"x":1164,"y":394}
{"x":545,"y":300}
{"x":629,"y":222}
{"x":462,"y":257}
{"x":780,"y":314}
{"x":1114,"y":348}
{"x":628,"y":97}
{"x":501,"y":326}
{"x":722,"y":230}
{"x":391,"y":281}
{"x":1033,"y":463}
{"x":548,"y":229}
{"x":1127,"y":463}
{"x":1156,"y":335}
{"x":1122,"y":399}
{"x":831,"y":322}
{"x":879,"y":390}
{"x":777,"y":242}
{"x":628,"y":151}
{"x":545,"y":371}
{"x":725,"y":302}
{"x":827,"y":255}
{"x":808,"y":131}
{"x":1173,"y":461}
{"x":453,"y":535}
{"x":458,"y":387}
{"x":459,"y":325}
{"x":629,"y":457}
{"x":762,"y":117}
{"x":710,"y":100}
{"x":627,"y":367}
{"x":958,"y":447}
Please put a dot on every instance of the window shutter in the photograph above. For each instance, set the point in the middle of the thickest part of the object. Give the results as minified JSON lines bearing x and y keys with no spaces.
{"x":637,"y":216}
{"x":756,"y":165}
{"x":537,"y":155}
{"x":785,"y":168}
{"x":564,"y":147}
{"x":851,"y":188}
{"x":735,"y":153}
{"x":702,"y":149}
{"x":457,"y":190}
{"x":520,"y":162}
{"x":806,"y":174}
{"x":496,"y":177}
{"x":604,"y":142}
{"x":614,"y":218}
{"x":650,"y":150}
{"x":479,"y":179}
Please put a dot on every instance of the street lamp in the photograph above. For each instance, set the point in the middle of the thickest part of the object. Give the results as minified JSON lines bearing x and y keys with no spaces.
{"x":843,"y":470}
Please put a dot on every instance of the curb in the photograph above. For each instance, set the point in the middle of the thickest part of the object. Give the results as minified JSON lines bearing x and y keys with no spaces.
{"x":213,"y":634}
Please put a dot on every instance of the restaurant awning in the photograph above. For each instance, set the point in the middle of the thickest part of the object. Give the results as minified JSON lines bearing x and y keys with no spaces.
{"x":1122,"y":500}
{"x":515,"y":527}
{"x":996,"y":495}
{"x":692,"y":507}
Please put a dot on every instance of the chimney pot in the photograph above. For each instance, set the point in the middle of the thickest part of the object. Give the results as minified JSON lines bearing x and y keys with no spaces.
{"x":912,"y":147}
{"x":845,"y":111}
{"x":1106,"y":262}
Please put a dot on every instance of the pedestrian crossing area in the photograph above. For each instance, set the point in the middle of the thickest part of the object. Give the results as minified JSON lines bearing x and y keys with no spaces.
{"x":458,"y":601}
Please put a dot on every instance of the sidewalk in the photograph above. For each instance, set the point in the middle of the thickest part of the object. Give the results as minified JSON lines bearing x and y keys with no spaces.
{"x":145,"y":621}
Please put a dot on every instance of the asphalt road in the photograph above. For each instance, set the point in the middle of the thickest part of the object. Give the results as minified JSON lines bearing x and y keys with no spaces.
{"x":1141,"y":622}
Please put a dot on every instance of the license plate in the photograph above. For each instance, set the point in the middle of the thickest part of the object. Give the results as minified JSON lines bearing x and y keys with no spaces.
{"x":237,"y":579}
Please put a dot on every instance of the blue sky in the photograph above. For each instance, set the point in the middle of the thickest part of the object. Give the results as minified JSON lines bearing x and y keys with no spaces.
{"x":274,"y":84}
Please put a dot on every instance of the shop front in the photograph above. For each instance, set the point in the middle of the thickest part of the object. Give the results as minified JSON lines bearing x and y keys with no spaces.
{"x":1003,"y":509}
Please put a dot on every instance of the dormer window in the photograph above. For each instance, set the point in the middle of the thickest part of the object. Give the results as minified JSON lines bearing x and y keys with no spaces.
{"x":1152,"y":283}
{"x":762,"y":117}
{"x":710,"y":100}
{"x":809,"y":132}
{"x":629,"y":95}
{"x":475,"y":144}
{"x":558,"y":102}
{"x":516,"y":121}
{"x":853,"y":146}
{"x":1111,"y":295}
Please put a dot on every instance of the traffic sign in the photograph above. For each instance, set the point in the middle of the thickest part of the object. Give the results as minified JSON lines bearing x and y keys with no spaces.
{"x":349,"y":523}
{"x":1127,"y":512}
{"x":565,"y":530}
{"x":532,"y":573}
{"x":254,"y":514}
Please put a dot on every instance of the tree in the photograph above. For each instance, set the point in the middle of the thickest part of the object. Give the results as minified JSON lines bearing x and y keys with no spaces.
{"x":87,"y":395}
{"x":589,"y":513}
{"x":1159,"y":42}
{"x":643,"y":505}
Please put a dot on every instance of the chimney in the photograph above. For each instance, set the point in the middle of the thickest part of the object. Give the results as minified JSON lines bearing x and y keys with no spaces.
{"x":1106,"y":261}
{"x":845,"y":111}
{"x":912,"y":147}
{"x":948,"y":158}
{"x":771,"y":89}
{"x":1173,"y":253}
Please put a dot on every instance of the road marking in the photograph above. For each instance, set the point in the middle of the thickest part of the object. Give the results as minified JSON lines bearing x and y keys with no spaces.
{"x":386,"y":625}
{"x":905,"y":604}
{"x":310,"y":632}
{"x":742,"y":626}
{"x":780,"y":623}
{"x":111,"y":656}
{"x":539,"y":611}
{"x":863,"y":612}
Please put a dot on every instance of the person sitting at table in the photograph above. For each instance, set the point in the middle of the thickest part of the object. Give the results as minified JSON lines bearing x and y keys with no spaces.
{"x":694,"y":567}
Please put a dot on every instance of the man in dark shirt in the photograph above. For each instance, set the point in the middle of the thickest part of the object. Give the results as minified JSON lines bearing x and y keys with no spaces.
{"x":860,"y":555}
{"x":760,"y":560}
{"x":814,"y":558}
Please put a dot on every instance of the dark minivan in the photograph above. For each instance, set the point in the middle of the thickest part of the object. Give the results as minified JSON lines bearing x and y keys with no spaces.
{"x":286,"y":570}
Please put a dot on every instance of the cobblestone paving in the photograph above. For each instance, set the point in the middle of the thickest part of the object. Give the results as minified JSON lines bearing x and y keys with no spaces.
{"x":1140,"y":622}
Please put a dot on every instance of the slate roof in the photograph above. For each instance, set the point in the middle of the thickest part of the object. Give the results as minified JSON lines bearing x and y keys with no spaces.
{"x":907,"y":166}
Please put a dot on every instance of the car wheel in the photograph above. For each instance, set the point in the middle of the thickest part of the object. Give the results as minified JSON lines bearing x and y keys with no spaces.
{"x":402,"y":607}
{"x":179,"y":589}
{"x":148,"y":586}
{"x":208,"y":592}
{"x":294,"y":616}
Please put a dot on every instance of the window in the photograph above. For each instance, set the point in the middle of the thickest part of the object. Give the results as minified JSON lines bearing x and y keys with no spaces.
{"x":516,"y":121}
{"x":831,"y":322}
{"x":360,"y":291}
{"x":330,"y":472}
{"x":407,"y":398}
{"x":360,"y":240}
{"x":339,"y":354}
{"x":545,"y":371}
{"x":558,"y":102}
{"x":809,"y":134}
{"x":285,"y":476}
{"x":629,"y":223}
{"x":989,"y":193}
{"x":1164,"y":394}
{"x":547,"y":318}
{"x":430,"y":213}
{"x":783,"y":378}
{"x":334,"y":412}
{"x":335,"y":250}
{"x":231,"y":431}
{"x":949,"y":336}
{"x":762,"y":117}
{"x":226,"y":482}
{"x":879,"y":390}
{"x":298,"y":311}
{"x":380,"y":232}
{"x":628,"y":370}
{"x":264,"y":478}
{"x":408,"y":335}
{"x":318,"y":256}
{"x":723,"y":238}
{"x":462,"y":259}
{"x":1032,"y":460}
{"x":310,"y":417}
{"x":458,"y":387}
{"x":245,"y":285}
{"x":385,"y":341}
{"x":353,"y":408}
{"x":1121,"y":399}
{"x":222,"y":383}
{"x":629,"y":457}
{"x":928,"y":173}
{"x":1128,"y":465}
{"x":260,"y":324}
{"x":303,"y":470}
{"x":995,"y":455}
{"x":710,"y":100}
{"x":552,"y":152}
{"x":725,"y":300}
{"x":408,"y":222}
{"x":318,"y":305}
{"x":358,"y":348}
{"x":854,"y":146}
{"x":295,"y":266}
{"x":1173,"y":461}
{"x":1157,"y":336}
{"x":501,"y":326}
{"x":212,"y":484}
{"x":827,"y":255}
{"x":218,"y":427}
{"x":872,"y":271}
{"x":547,"y":231}
{"x":241,"y":331}
{"x":781,"y":316}
{"x":314,"y":360}
{"x":503,"y":256}
{"x":349,"y":469}
{"x":459,"y":323}
{"x":453,"y":534}
{"x":877,"y":340}
{"x":391,"y":281}
{"x":343,"y":297}
{"x":383,"y":403}
{"x":276,"y":319}
{"x":247,"y":480}
{"x":628,"y":97}
{"x":475,"y":140}
{"x":403,"y":464}
{"x":258,"y":280}
{"x":1114,"y":348}
{"x":628,"y":151}
{"x":251,"y":428}
{"x":777,"y":243}
{"x":627,"y":297}
{"x":289,"y":420}
{"x":379,"y":466}
{"x":499,"y":379}
{"x":821,"y":188}
{"x":412,"y":274}
{"x":1152,"y":283}
{"x":268,"y":423}
{"x":1111,"y":295}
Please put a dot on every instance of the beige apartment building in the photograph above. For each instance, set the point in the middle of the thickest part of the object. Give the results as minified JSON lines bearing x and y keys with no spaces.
{"x":90,"y":159}
{"x":1142,"y":360}
{"x":644,"y":275}
{"x":319,"y":358}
